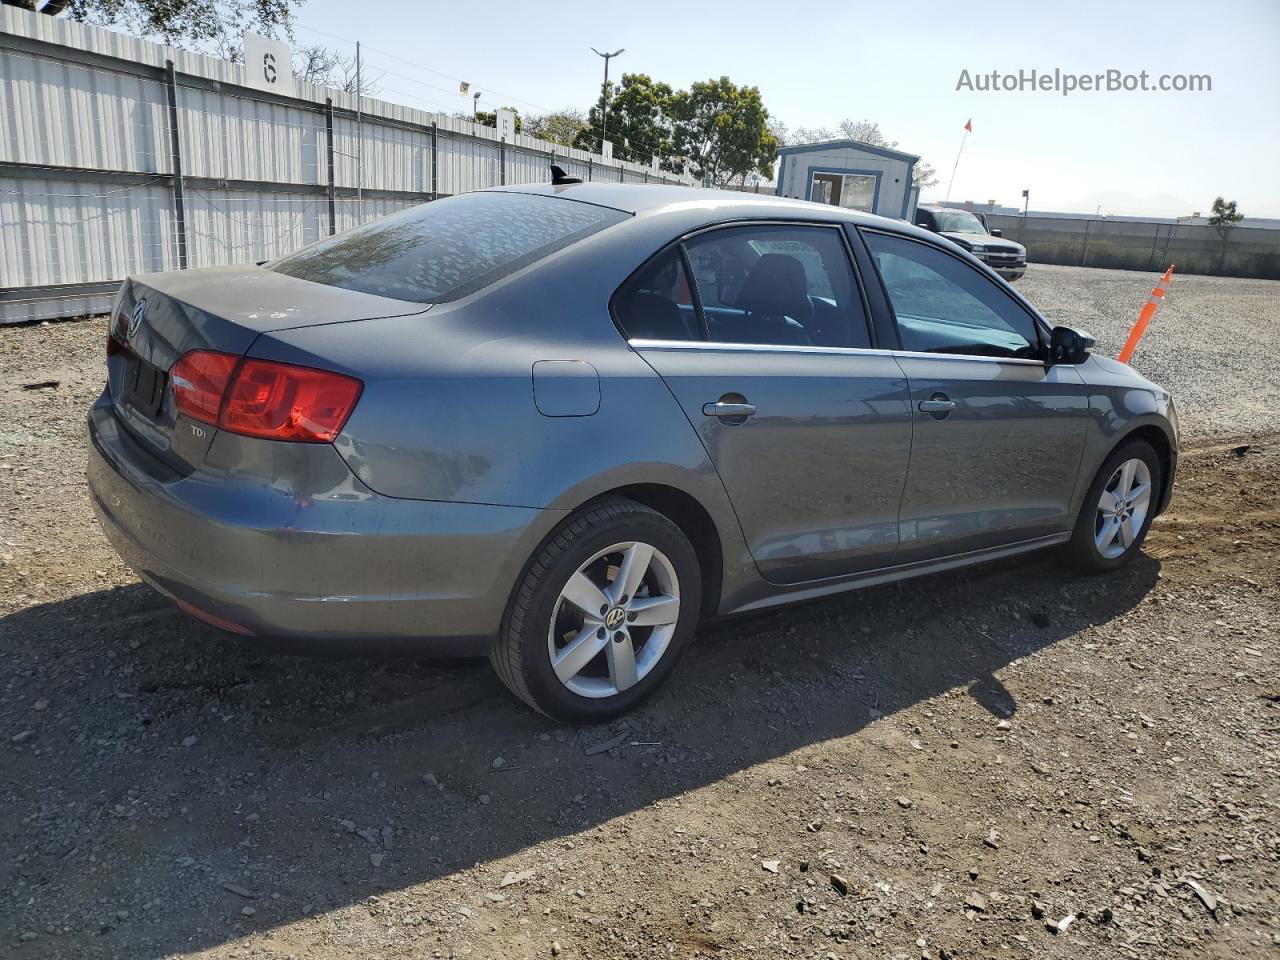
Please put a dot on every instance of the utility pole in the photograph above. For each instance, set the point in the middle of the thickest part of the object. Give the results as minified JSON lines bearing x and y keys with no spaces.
{"x":604,"y":93}
{"x":359,"y":143}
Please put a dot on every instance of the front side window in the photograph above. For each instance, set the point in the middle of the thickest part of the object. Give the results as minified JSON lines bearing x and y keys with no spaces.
{"x":779,"y":285}
{"x":448,"y":248}
{"x":943,"y":305}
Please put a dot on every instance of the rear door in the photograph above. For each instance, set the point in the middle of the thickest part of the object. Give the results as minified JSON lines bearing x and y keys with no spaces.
{"x":998,"y":435}
{"x":761,"y":333}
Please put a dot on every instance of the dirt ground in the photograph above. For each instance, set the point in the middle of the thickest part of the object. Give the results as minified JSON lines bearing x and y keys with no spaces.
{"x":1009,"y":761}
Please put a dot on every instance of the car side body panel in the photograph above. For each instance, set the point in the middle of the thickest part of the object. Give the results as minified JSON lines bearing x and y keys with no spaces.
{"x":483,"y":423}
{"x":1122,"y":402}
{"x":1029,"y":423}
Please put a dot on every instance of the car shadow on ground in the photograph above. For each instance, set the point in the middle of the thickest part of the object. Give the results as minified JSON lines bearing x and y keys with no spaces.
{"x":177,"y":775}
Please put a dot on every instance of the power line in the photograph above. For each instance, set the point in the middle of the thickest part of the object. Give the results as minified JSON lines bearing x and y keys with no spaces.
{"x":497,"y":93}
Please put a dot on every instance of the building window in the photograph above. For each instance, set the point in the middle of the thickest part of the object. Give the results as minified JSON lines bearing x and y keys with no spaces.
{"x":857,"y":191}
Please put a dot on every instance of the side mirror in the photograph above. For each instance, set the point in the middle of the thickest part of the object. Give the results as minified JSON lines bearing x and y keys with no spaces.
{"x":1067,"y":345}
{"x":997,"y":232}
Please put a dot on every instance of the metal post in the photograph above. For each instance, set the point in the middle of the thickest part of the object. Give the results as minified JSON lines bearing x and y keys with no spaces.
{"x":502,"y":162}
{"x":590,"y":168}
{"x":604,"y":95}
{"x":328,"y":159}
{"x":175,"y":147}
{"x":359,"y":141}
{"x":604,"y":107}
{"x":435,"y":178}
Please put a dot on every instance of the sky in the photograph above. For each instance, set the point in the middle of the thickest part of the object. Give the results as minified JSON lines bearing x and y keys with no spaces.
{"x":1130,"y":153}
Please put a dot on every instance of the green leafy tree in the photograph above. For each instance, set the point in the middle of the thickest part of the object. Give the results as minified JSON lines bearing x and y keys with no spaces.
{"x":1224,"y":214}
{"x":561,"y":126}
{"x":721,"y":131}
{"x":639,"y":123}
{"x":215,"y":23}
{"x":1223,"y":219}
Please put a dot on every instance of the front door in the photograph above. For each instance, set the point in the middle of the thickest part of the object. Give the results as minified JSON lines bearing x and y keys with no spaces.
{"x":997,"y":436}
{"x":808,"y":429}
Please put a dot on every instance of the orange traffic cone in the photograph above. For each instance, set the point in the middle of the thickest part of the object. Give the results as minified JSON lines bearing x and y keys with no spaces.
{"x":1144,"y":316}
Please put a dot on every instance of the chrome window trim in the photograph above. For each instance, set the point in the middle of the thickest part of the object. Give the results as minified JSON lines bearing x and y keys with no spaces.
{"x":643,"y":344}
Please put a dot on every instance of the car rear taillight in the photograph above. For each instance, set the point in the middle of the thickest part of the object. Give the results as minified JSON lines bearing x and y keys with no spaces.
{"x":200,"y":380}
{"x":282,"y":402}
{"x":263,"y":398}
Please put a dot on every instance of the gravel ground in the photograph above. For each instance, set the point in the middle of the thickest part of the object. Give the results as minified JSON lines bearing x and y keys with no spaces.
{"x":1213,"y":343}
{"x":1003,"y":762}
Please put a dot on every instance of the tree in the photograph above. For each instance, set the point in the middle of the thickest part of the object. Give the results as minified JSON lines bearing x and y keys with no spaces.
{"x":778,"y":130}
{"x":561,"y":126}
{"x":216,"y":23}
{"x":1224,"y":218}
{"x":639,"y":124}
{"x":1224,"y":215}
{"x":329,"y":68}
{"x":721,"y":131}
{"x":865,"y":131}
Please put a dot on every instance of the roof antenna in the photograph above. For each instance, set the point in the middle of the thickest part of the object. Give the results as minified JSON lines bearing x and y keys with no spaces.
{"x":559,"y":178}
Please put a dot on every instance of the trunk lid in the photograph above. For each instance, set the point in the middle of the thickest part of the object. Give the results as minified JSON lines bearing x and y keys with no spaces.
{"x":225,"y":309}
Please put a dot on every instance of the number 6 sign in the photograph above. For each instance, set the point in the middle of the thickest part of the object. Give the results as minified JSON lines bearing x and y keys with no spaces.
{"x":267,"y":64}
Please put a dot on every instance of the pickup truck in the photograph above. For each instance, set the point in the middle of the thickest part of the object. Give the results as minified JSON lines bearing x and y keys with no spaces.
{"x":1005,"y":257}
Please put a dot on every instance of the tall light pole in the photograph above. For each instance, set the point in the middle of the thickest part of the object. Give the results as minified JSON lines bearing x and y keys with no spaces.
{"x":475,"y":100}
{"x":604,"y":92}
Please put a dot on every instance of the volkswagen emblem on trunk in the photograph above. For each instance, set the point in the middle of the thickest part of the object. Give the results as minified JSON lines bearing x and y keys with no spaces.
{"x":136,"y":316}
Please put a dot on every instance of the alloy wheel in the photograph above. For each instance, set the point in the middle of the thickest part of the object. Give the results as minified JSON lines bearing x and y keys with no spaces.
{"x":614,"y":619}
{"x":1122,"y":508}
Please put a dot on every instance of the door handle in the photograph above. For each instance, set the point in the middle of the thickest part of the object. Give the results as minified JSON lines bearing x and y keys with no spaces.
{"x":725,"y":410}
{"x":938,"y":406}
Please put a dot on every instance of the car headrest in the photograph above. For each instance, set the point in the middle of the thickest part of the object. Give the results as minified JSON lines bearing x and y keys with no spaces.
{"x":776,"y":286}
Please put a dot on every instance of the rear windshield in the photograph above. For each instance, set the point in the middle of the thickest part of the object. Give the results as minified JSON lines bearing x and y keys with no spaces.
{"x":448,"y":248}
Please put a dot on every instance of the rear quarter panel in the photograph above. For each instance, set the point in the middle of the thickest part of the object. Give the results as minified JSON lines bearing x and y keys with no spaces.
{"x":448,"y":410}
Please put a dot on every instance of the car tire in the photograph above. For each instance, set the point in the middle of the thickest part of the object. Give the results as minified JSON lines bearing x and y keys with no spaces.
{"x":544,"y":652}
{"x":1117,"y":510}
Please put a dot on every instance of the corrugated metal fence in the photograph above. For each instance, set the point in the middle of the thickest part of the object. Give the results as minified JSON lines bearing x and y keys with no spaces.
{"x":121,"y":156}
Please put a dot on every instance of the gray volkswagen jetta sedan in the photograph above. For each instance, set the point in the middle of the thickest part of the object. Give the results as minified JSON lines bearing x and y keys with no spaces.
{"x":560,"y":425}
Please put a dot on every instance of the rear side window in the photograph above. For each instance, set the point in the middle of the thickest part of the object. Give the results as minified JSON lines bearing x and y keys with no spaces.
{"x":656,"y":303}
{"x":448,"y":248}
{"x":778,"y":285}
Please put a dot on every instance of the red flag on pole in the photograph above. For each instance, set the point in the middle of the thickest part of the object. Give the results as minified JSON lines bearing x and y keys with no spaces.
{"x":968,"y":126}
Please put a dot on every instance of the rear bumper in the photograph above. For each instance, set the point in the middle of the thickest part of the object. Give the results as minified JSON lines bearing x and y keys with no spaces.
{"x":341,"y":564}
